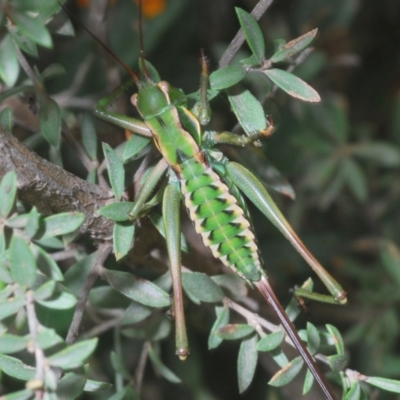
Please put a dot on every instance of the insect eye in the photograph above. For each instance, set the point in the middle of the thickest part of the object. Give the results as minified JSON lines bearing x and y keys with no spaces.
{"x":134,"y":99}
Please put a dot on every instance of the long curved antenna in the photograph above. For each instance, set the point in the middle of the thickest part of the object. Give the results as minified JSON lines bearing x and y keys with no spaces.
{"x":141,"y":43}
{"x":133,"y":74}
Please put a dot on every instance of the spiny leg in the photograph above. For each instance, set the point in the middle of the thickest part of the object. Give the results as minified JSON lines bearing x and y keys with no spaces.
{"x":171,"y":216}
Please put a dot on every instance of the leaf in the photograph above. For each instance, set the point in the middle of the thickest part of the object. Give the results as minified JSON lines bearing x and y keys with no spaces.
{"x":201,"y":288}
{"x":116,"y":171}
{"x":45,"y":291}
{"x":313,"y":338}
{"x":10,"y":306}
{"x":46,"y":263}
{"x":12,"y":343}
{"x":247,"y":362}
{"x":249,"y":112}
{"x":390,"y":258}
{"x":32,"y":223}
{"x":252,"y":33}
{"x":234,"y":284}
{"x":92,"y":386}
{"x":384,"y":154}
{"x":33,"y":29}
{"x":9,"y":66}
{"x":294,"y":46}
{"x":22,"y":262}
{"x":136,"y":312}
{"x":354,"y":393}
{"x":234,"y":331}
{"x":119,"y":366}
{"x":338,"y":362}
{"x":140,"y":290}
{"x":123,"y":236}
{"x":222,"y":319}
{"x":287,"y":373}
{"x":272,"y":341}
{"x":16,"y":368}
{"x":308,"y":382}
{"x":161,"y":368}
{"x":8,"y":193}
{"x":20,"y":395}
{"x":6,"y":118}
{"x":47,"y":338}
{"x":60,"y":301}
{"x":134,"y":146}
{"x":390,"y":385}
{"x":63,"y":223}
{"x":355,"y":179}
{"x":23,"y":42}
{"x":50,"y":122}
{"x":73,"y":356}
{"x":117,"y":211}
{"x":337,"y":338}
{"x":292,"y":85}
{"x":226,"y":77}
{"x":89,"y":136}
{"x":70,"y":386}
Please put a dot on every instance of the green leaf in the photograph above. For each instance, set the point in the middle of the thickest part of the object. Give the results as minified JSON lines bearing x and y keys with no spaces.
{"x":252,"y":33}
{"x":16,"y":368}
{"x":33,"y":29}
{"x":384,"y":154}
{"x":59,"y":301}
{"x":201,"y":288}
{"x":20,"y":395}
{"x":107,"y":297}
{"x":89,"y":136}
{"x":119,"y":366}
{"x":308,"y":382}
{"x":46,"y":263}
{"x":116,"y":171}
{"x":337,"y":338}
{"x":234,"y":331}
{"x":226,"y":77}
{"x":8,"y":193}
{"x":47,"y":338}
{"x":6,"y":118}
{"x":354,"y":393}
{"x":22,"y":262}
{"x":9,"y":66}
{"x":92,"y":386}
{"x":70,"y":386}
{"x":355,"y":179}
{"x":249,"y":112}
{"x":10,"y":306}
{"x":390,"y":258}
{"x":73,"y":356}
{"x":294,"y":46}
{"x":117,"y":211}
{"x":63,"y":223}
{"x":287,"y":373}
{"x":313,"y":338}
{"x":140,"y":290}
{"x":161,"y":368}
{"x":123,"y":236}
{"x":338,"y":362}
{"x":32,"y":223}
{"x":222,"y":319}
{"x":23,"y":42}
{"x":234,"y":284}
{"x":134,"y":146}
{"x":292,"y":85}
{"x":12,"y":343}
{"x":272,"y":341}
{"x":247,"y":362}
{"x":45,"y":291}
{"x":50,"y":122}
{"x":136,"y":312}
{"x":390,"y":385}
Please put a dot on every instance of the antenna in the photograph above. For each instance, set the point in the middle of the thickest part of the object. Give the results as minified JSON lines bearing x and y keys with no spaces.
{"x":133,"y":74}
{"x":141,"y":44}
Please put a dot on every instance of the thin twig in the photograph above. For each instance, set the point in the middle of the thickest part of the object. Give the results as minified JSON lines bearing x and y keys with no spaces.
{"x":73,"y":331}
{"x":139,"y":373}
{"x":238,"y":40}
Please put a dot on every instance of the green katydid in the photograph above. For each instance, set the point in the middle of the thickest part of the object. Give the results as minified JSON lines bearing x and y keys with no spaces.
{"x":211,"y":188}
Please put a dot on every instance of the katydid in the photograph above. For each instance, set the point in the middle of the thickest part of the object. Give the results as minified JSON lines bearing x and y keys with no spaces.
{"x":210,"y":186}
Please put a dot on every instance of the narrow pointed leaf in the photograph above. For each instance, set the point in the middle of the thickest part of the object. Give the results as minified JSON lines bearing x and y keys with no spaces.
{"x":8,"y":192}
{"x":116,"y":171}
{"x":354,"y":393}
{"x":234,"y":331}
{"x":70,"y":386}
{"x":9,"y":67}
{"x":136,"y":312}
{"x":308,"y":382}
{"x":272,"y":341}
{"x":16,"y":368}
{"x":45,"y":291}
{"x":50,"y":122}
{"x":337,"y":338}
{"x":48,"y":338}
{"x":61,"y":224}
{"x":89,"y":136}
{"x":252,"y":33}
{"x":20,"y":395}
{"x":12,"y":343}
{"x":384,"y":154}
{"x":338,"y":362}
{"x":134,"y":146}
{"x":123,"y":235}
{"x":161,"y":368}
{"x":6,"y":118}
{"x":117,"y":211}
{"x":313,"y":338}
{"x":389,"y":385}
{"x":10,"y":306}
{"x":22,"y":41}
{"x":226,"y":77}
{"x":46,"y":263}
{"x":22,"y":262}
{"x":60,"y":301}
{"x":247,"y":362}
{"x":287,"y":373}
{"x":92,"y":386}
{"x":294,"y":46}
{"x":201,"y":287}
{"x":292,"y":85}
{"x":222,"y":319}
{"x":73,"y":356}
{"x":140,"y":290}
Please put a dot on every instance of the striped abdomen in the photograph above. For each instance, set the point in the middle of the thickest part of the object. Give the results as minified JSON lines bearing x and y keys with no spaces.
{"x":219,"y":219}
